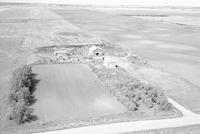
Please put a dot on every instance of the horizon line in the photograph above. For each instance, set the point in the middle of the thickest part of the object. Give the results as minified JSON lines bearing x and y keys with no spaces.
{"x":101,"y":5}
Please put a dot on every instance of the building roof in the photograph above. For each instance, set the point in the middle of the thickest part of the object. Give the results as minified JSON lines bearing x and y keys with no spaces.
{"x":111,"y":59}
{"x":60,"y":52}
{"x":94,"y":48}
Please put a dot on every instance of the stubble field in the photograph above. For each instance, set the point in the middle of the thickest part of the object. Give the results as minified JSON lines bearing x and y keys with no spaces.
{"x":71,"y":91}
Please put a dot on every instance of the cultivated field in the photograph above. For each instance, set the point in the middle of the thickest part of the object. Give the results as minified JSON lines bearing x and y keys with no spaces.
{"x":71,"y":91}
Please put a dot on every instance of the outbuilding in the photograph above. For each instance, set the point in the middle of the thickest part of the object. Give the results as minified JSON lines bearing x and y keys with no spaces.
{"x":110,"y":62}
{"x":60,"y":58}
{"x":60,"y":52}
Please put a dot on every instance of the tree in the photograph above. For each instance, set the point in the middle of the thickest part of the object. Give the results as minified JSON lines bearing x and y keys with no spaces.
{"x":20,"y":96}
{"x":19,"y":112}
{"x":25,"y":95}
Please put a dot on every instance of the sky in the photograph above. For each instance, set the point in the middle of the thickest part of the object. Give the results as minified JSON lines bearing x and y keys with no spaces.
{"x":195,"y":3}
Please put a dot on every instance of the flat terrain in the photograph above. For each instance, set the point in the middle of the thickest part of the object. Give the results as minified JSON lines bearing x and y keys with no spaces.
{"x":9,"y":51}
{"x":165,"y":40}
{"x":171,"y":45}
{"x":22,"y":29}
{"x":71,"y":91}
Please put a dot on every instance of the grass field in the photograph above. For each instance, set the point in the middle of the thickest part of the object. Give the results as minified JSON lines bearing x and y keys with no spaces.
{"x":71,"y":92}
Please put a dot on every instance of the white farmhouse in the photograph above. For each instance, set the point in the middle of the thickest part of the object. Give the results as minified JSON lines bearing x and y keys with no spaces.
{"x":96,"y":51}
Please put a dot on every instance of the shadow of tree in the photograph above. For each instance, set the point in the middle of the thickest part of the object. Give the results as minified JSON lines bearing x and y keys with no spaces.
{"x":33,"y":118}
{"x":34,"y":82}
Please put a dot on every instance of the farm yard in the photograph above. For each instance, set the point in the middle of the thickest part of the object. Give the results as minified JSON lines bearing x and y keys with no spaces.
{"x":78,"y":87}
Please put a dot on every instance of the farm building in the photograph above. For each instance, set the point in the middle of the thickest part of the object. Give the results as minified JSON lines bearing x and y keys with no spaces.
{"x":96,"y":51}
{"x":62,"y":55}
{"x":61,"y":52}
{"x":60,"y":58}
{"x":110,"y":62}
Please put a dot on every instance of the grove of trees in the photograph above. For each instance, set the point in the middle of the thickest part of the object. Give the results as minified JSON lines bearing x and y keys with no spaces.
{"x":20,"y":96}
{"x":131,"y":92}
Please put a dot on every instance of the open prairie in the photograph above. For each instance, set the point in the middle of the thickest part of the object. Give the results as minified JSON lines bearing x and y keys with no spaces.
{"x":71,"y":91}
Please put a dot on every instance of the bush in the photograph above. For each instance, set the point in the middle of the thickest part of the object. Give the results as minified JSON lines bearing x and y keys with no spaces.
{"x":132,"y":106}
{"x":162,"y":102}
